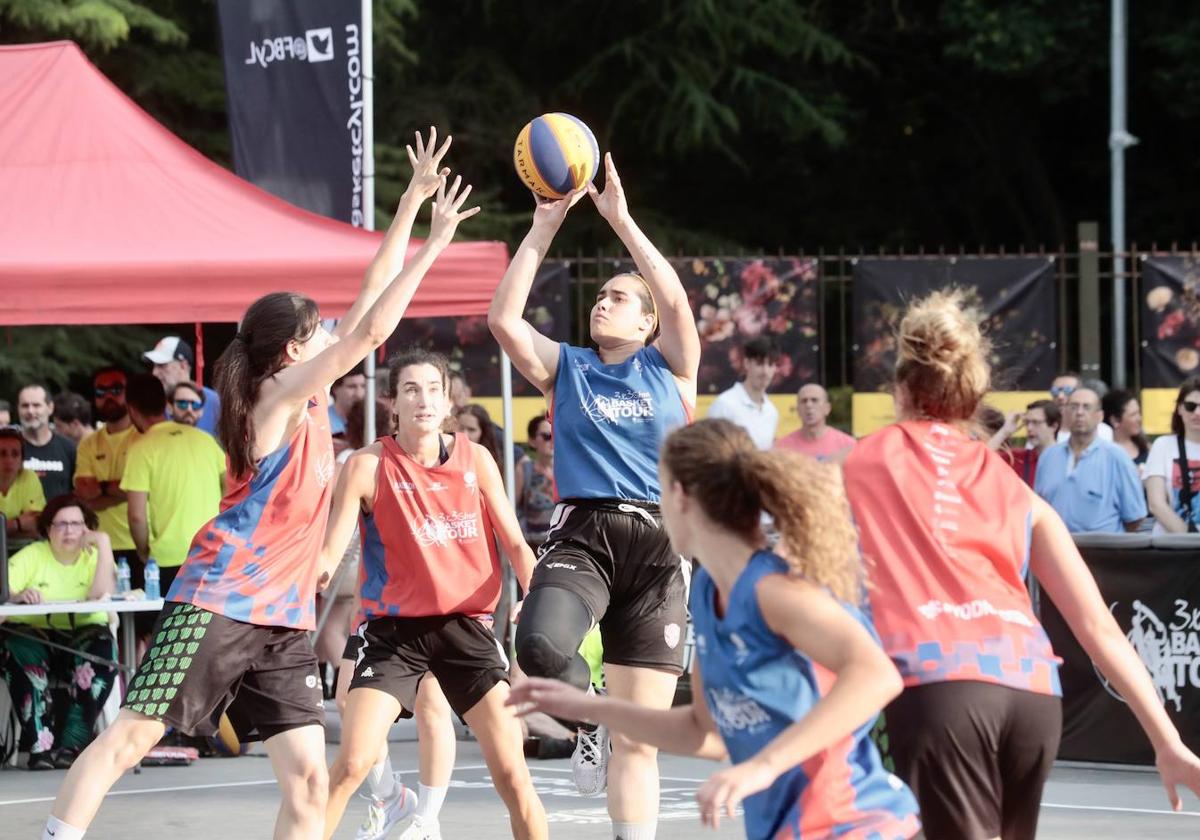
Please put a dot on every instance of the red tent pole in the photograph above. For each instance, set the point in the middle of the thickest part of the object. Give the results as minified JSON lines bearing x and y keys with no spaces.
{"x":199,"y":371}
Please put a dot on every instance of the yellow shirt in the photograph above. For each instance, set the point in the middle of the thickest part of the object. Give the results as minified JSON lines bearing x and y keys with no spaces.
{"x":102,"y":456}
{"x":36,"y":566}
{"x":24,"y":495}
{"x":179,"y":468}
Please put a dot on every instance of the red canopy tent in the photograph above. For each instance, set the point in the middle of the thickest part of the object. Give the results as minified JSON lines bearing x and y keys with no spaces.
{"x":106,"y":218}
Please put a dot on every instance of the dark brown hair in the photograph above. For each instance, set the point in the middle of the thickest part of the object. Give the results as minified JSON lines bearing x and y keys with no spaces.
{"x":718,"y":464}
{"x":487,"y":434}
{"x":356,"y":423}
{"x":256,"y":353}
{"x":66,"y":500}
{"x":1188,"y":386}
{"x":418,"y":356}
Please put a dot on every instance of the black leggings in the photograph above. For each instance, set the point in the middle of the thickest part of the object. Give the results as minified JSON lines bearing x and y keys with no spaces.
{"x":552,"y":626}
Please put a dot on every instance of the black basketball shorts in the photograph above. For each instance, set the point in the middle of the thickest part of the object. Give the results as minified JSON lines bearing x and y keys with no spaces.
{"x":396,"y":653}
{"x":200,"y":664}
{"x":615,"y":555}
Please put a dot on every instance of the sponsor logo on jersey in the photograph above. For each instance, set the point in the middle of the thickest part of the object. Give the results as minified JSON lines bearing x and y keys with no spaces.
{"x":734,"y":712}
{"x":444,"y":528}
{"x":623,"y":406}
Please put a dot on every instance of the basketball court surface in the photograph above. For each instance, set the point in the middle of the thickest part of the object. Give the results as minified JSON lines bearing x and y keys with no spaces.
{"x":235,"y":798}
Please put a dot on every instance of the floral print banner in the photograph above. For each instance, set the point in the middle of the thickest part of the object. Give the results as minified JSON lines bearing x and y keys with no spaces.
{"x":737,"y":300}
{"x":1170,"y":320}
{"x":1017,"y":296}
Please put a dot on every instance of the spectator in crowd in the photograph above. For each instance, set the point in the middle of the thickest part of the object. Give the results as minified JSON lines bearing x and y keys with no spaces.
{"x":1123,"y":414}
{"x":5,"y":413}
{"x":71,"y":562}
{"x":47,"y":453}
{"x":336,"y":605}
{"x":746,"y":403}
{"x":1174,"y":464}
{"x":460,"y":397}
{"x":1042,"y":421}
{"x":993,"y":422}
{"x":534,"y":483}
{"x":460,"y":392}
{"x":101,"y":461}
{"x":383,"y":388}
{"x":1061,"y":389}
{"x":815,"y":437}
{"x":1091,"y":482}
{"x":187,"y":403}
{"x":346,"y":391}
{"x":173,"y":361}
{"x":72,"y":417}
{"x":21,"y":496}
{"x":475,"y":422}
{"x":174,"y":479}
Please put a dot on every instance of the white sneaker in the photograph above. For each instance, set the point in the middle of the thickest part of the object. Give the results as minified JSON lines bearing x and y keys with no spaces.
{"x":589,"y":762}
{"x":384,"y":814}
{"x":422,"y":829}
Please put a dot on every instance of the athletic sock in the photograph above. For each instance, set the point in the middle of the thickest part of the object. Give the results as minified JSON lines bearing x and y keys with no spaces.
{"x":56,"y":829}
{"x":634,"y":831}
{"x":429,"y":801}
{"x":381,"y":780}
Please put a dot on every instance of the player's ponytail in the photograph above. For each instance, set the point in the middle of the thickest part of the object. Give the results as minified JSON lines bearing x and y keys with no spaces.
{"x":718,"y":464}
{"x":256,"y":353}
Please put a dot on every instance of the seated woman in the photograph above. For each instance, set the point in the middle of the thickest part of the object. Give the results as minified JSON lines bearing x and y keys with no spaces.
{"x":71,"y":562}
{"x":21,"y":494}
{"x":535,"y":489}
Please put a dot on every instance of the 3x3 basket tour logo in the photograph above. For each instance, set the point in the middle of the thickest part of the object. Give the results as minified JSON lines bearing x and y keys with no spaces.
{"x":636,"y":406}
{"x":1169,"y":647}
{"x":443,"y":528}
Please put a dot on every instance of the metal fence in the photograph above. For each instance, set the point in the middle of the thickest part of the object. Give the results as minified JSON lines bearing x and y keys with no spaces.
{"x":1083,"y":275}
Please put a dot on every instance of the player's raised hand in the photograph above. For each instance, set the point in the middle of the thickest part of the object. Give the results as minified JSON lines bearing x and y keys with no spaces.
{"x":426,"y":159}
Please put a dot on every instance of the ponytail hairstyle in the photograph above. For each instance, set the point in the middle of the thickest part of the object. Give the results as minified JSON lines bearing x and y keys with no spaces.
{"x":942,"y":357}
{"x":258,"y":351}
{"x":718,"y":464}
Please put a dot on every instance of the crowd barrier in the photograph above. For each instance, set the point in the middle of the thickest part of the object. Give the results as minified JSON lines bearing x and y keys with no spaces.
{"x":1151,"y":585}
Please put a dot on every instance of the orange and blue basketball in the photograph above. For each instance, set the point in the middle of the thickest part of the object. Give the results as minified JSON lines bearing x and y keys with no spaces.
{"x":556,"y":154}
{"x":225,"y":740}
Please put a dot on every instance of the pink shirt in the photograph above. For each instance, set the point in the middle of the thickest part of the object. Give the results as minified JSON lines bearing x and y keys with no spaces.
{"x":823,"y":448}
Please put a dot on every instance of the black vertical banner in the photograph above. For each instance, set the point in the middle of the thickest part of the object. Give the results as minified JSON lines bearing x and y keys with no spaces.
{"x":1017,"y":297}
{"x":294,"y":77}
{"x":1170,"y":320}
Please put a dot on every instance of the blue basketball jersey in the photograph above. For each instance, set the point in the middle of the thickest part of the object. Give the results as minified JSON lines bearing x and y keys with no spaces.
{"x":756,"y":685}
{"x":610,"y":421}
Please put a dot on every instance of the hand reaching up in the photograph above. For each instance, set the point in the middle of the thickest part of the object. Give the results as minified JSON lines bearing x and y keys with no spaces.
{"x":446,"y":206}
{"x":611,"y":202}
{"x":426,"y":158}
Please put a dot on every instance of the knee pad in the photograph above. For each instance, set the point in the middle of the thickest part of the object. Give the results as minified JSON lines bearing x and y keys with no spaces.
{"x":553,"y":623}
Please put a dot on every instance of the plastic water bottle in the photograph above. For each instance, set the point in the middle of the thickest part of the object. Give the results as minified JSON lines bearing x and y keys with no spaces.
{"x":122,"y":576}
{"x":152,"y":590}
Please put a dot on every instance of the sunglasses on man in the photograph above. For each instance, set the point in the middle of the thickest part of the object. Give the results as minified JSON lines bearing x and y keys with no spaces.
{"x":109,"y":391}
{"x":1062,"y":390}
{"x":188,"y":405}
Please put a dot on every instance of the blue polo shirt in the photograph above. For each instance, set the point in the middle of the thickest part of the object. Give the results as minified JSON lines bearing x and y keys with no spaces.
{"x":1101,"y":493}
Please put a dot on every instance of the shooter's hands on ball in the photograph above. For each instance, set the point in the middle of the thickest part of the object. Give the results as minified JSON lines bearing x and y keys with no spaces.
{"x":550,"y":212}
{"x":446,"y":206}
{"x":426,"y":158}
{"x":725,"y":790}
{"x":1177,"y":765}
{"x":557,"y":699}
{"x":611,"y":203}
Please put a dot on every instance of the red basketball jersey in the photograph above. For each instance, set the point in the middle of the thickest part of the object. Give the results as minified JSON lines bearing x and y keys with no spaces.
{"x":257,"y":560}
{"x":428,"y":544}
{"x":945,"y":527}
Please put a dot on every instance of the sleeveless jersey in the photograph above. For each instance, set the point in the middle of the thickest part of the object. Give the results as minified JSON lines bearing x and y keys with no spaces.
{"x":428,"y":545}
{"x":756,"y":685}
{"x":946,"y":526}
{"x":610,"y":421}
{"x":257,"y":560}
